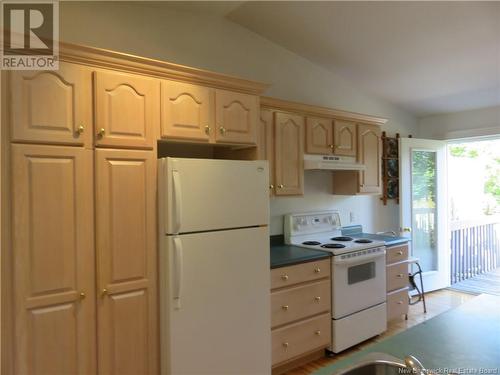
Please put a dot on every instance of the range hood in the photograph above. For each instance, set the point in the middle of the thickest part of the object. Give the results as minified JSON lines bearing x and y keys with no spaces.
{"x":332,"y":162}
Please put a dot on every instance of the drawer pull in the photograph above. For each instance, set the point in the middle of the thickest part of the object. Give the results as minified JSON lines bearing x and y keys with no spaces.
{"x":317,"y":270}
{"x":317,"y":299}
{"x":400,"y":302}
{"x":285,"y":345}
{"x":399,"y":252}
{"x":284,"y":277}
{"x":400,"y":275}
{"x":317,"y":333}
{"x":284,"y":307}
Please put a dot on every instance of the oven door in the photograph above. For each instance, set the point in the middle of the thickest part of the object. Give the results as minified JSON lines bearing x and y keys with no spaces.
{"x":357,"y":283}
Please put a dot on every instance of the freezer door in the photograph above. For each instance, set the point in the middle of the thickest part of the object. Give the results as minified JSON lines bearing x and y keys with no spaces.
{"x":215,"y":303}
{"x":205,"y":194}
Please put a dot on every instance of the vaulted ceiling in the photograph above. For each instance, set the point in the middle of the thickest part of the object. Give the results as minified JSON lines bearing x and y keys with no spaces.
{"x":426,"y":57}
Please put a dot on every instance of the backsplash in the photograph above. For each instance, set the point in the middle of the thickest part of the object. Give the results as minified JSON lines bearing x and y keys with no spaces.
{"x":367,"y":210}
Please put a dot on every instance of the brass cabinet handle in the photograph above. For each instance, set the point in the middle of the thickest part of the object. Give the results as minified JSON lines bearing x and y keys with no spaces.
{"x":285,"y":345}
{"x":80,"y":130}
{"x":281,"y":186}
{"x":284,"y":277}
{"x":284,"y":307}
{"x":271,"y":186}
{"x":332,"y":147}
{"x":317,"y":333}
{"x":104,"y":291}
{"x":406,"y":229}
{"x":400,"y":302}
{"x":400,"y":252}
{"x":222,"y":130}
{"x":101,"y":132}
{"x":82,"y":295}
{"x":317,"y":270}
{"x":400,"y":275}
{"x":317,"y":299}
{"x":207,"y":130}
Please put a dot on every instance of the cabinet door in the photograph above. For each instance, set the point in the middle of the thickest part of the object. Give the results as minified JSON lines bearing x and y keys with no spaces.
{"x":265,"y":143}
{"x":319,"y":136}
{"x":53,"y":265}
{"x":344,"y":136}
{"x":127,"y":109}
{"x":236,"y":117}
{"x":187,"y":111}
{"x":52,"y":106}
{"x":370,"y":154}
{"x":126,"y":260}
{"x":289,"y":153}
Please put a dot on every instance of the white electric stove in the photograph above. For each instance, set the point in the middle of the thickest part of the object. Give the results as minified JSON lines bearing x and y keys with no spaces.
{"x":358,"y":275}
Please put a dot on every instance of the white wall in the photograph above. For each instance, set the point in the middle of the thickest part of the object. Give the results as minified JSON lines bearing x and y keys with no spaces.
{"x":473,"y":123}
{"x":216,"y":44}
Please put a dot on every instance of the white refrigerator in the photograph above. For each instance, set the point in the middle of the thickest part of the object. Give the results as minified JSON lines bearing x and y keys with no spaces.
{"x":214,"y":267}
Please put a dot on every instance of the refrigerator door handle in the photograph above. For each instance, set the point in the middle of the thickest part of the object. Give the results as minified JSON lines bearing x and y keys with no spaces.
{"x":177,"y":284}
{"x":177,"y":199}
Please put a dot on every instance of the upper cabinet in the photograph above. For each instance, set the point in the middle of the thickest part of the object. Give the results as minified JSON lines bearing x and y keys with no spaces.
{"x":370,"y":154}
{"x":344,"y":134}
{"x":187,"y":111}
{"x":319,"y":136}
{"x":126,"y":110}
{"x":52,"y":106}
{"x":289,"y":153}
{"x":265,"y":143}
{"x":236,"y":117}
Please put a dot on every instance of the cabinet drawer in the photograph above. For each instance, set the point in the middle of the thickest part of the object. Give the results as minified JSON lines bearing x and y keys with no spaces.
{"x":293,"y":304}
{"x":286,"y":276}
{"x":396,"y":254}
{"x":397,"y":304}
{"x":296,"y":339}
{"x":397,"y":276}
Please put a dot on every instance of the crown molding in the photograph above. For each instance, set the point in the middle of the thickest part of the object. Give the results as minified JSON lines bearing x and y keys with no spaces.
{"x":312,"y":110}
{"x":103,"y":58}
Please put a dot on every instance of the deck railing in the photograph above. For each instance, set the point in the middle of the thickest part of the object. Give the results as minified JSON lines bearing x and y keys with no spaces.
{"x":475,"y":247}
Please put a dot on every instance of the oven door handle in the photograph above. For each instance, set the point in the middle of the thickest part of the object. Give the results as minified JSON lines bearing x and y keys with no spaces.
{"x":356,"y":260}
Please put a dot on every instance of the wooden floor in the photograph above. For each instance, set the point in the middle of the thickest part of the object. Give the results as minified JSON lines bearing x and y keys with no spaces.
{"x":437,"y":303}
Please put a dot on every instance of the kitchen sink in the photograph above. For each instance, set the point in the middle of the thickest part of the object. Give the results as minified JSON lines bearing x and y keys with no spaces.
{"x":385,"y":367}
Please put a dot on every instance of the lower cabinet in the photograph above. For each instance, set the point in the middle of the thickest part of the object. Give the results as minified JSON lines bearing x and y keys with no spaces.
{"x":83,"y":305}
{"x":300,"y":311}
{"x":53,"y":269}
{"x":126,"y":262}
{"x":397,"y":281}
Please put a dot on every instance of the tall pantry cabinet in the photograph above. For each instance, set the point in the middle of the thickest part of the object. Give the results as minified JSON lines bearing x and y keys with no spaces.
{"x":83,"y":220}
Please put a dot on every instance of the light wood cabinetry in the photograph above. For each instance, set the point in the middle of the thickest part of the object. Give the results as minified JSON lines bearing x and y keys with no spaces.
{"x":53,"y":266}
{"x":126,"y":109}
{"x":300,"y":308}
{"x":126,"y":258}
{"x":52,"y":106}
{"x":370,"y":154}
{"x":369,"y":151}
{"x":289,"y":153}
{"x":397,"y":281}
{"x":265,"y":143}
{"x":236,"y":117}
{"x":187,"y":111}
{"x":344,"y":135}
{"x":319,"y":136}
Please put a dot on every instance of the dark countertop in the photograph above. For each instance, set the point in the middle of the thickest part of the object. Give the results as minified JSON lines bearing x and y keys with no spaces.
{"x":467,"y":337}
{"x":357,"y":231}
{"x":286,"y":255}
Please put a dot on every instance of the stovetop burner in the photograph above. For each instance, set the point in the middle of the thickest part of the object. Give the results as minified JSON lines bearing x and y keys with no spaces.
{"x":363,"y":240}
{"x":342,"y":238}
{"x":311,"y":243}
{"x":333,"y":246}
